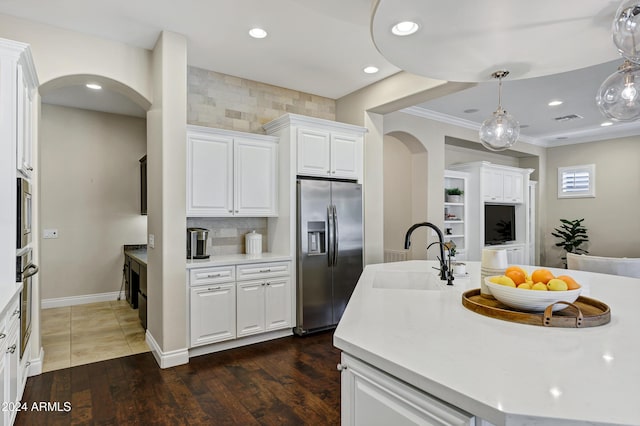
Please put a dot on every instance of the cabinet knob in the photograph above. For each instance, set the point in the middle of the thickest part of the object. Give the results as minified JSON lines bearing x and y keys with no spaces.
{"x":30,"y":169}
{"x":268,"y":283}
{"x":328,"y":172}
{"x":341,"y":367}
{"x":2,"y":335}
{"x":213,"y":288}
{"x":230,"y":211}
{"x":16,"y":312}
{"x":334,"y":172}
{"x":11,"y":349}
{"x":237,"y":211}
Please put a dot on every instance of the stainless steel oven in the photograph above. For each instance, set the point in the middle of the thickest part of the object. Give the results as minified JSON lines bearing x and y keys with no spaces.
{"x":24,"y":214}
{"x":25,"y":270}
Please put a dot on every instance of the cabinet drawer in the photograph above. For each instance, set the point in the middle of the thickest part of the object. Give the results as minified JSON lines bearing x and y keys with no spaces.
{"x":219,"y":274}
{"x":263,"y":270}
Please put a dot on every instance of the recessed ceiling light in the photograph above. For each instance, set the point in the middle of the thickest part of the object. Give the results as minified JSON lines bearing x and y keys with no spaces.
{"x":94,"y":86}
{"x":471,"y":110}
{"x":555,"y":103}
{"x":405,"y":28}
{"x":257,"y":33}
{"x":606,"y":123}
{"x":371,"y":69}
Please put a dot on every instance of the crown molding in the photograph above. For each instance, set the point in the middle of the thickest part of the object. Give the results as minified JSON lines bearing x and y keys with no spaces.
{"x":460,"y":122}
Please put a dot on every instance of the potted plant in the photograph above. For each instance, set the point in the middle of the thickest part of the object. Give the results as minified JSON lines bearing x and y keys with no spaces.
{"x":454,"y":195}
{"x":573,"y":235}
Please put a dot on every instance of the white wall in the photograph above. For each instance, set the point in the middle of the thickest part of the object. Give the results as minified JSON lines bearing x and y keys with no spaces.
{"x":90,"y":192}
{"x":611,"y":218}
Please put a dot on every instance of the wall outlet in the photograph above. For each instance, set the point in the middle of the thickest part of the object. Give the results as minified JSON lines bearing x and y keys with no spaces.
{"x":50,"y":234}
{"x":151,"y":242}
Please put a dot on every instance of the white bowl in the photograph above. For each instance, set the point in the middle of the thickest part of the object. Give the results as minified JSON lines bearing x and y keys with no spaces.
{"x":531,"y":300}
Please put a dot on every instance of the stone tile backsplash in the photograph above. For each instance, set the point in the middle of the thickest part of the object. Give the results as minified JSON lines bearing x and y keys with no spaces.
{"x":226,"y":235}
{"x":233,"y":103}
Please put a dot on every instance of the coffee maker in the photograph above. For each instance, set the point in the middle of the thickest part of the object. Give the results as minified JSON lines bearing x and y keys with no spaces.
{"x":197,"y":243}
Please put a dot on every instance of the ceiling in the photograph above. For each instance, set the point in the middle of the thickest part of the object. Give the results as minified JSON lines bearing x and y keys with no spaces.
{"x":321,"y":47}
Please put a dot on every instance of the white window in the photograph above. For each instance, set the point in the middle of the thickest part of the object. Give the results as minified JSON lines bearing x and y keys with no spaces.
{"x":577,"y":181}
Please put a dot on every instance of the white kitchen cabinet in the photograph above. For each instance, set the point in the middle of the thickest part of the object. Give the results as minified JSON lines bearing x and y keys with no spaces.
{"x":231,"y":173}
{"x":516,"y":255}
{"x":11,"y":354}
{"x":501,"y":186}
{"x":212,"y":313}
{"x":322,"y":148}
{"x":264,"y":302}
{"x":371,"y":397}
{"x":25,"y":87}
{"x":327,"y":154}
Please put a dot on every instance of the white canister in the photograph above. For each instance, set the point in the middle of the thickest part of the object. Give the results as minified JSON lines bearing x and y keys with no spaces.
{"x":253,"y":243}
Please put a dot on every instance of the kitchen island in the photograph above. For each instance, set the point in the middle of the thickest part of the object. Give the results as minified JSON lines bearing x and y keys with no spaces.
{"x":415,"y":335}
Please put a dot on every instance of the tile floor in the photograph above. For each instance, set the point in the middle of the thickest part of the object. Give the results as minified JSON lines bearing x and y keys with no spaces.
{"x":82,"y":334}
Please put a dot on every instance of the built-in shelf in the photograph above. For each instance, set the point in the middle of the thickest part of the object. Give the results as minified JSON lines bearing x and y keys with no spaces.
{"x":453,"y":204}
{"x":454,"y":221}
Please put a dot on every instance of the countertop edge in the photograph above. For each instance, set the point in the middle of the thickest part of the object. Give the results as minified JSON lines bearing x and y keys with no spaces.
{"x":238,"y":259}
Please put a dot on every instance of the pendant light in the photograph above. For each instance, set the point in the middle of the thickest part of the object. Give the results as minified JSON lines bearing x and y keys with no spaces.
{"x":619,"y":95}
{"x":501,"y":130}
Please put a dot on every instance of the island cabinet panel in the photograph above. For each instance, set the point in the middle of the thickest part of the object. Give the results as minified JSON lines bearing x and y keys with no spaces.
{"x":371,"y":397}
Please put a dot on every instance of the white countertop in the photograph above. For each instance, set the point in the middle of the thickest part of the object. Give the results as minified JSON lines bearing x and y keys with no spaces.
{"x":506,"y":373}
{"x":237,"y":259}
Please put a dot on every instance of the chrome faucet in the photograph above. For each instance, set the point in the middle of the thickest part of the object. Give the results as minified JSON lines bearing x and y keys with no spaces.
{"x":445,"y":272}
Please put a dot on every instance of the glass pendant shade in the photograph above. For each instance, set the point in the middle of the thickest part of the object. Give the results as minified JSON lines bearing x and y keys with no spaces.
{"x":619,"y":96}
{"x":500,"y":131}
{"x":626,"y":30}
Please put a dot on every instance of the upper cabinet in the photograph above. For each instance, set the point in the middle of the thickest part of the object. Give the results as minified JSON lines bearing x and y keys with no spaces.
{"x":323,"y":148}
{"x":18,"y":85}
{"x":501,"y":186}
{"x":231,"y":173}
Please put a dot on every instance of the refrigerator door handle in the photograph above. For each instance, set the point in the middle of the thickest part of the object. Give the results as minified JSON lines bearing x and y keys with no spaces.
{"x":330,"y":232}
{"x":336,"y":235}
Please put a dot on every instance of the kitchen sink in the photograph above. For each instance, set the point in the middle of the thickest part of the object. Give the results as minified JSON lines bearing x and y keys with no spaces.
{"x":408,"y":280}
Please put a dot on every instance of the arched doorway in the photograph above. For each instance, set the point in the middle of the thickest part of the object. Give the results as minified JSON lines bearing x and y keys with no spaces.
{"x":405,"y":162}
{"x":89,"y":145}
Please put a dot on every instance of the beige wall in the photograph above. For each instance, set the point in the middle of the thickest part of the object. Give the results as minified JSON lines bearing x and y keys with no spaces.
{"x":610,"y":217}
{"x":398,"y":179}
{"x":457,"y":155}
{"x":90,"y":192}
{"x":59,"y":53}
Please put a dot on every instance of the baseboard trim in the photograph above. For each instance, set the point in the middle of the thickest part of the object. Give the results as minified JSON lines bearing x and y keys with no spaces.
{"x":35,"y":364}
{"x":236,"y":343}
{"x":60,"y":302}
{"x":166,"y":359}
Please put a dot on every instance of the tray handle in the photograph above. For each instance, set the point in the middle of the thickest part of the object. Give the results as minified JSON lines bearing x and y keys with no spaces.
{"x":548,"y":313}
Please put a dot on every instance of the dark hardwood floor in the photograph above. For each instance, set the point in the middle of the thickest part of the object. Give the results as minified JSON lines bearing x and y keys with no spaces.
{"x":290,"y":381}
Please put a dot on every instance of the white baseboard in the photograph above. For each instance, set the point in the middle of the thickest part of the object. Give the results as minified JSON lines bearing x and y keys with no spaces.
{"x":166,"y":359}
{"x":60,"y":302}
{"x":35,"y":364}
{"x":236,"y":343}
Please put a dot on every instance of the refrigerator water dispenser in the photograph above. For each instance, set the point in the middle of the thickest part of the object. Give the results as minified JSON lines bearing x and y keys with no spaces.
{"x":316,"y":238}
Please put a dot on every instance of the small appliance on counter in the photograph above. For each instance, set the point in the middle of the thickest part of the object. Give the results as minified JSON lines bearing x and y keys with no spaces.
{"x":197,"y":243}
{"x":253,"y":243}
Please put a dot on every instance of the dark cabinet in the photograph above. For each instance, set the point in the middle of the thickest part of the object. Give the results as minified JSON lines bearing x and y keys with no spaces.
{"x":135,"y":275}
{"x":143,"y":185}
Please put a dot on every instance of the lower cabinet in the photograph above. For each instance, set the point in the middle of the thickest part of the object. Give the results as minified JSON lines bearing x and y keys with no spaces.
{"x":10,"y":363}
{"x":263,"y":305}
{"x":371,"y":397}
{"x":213,"y":313}
{"x":223,"y":308}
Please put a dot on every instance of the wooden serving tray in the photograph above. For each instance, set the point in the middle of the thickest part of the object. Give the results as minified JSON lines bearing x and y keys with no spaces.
{"x":584,"y":312}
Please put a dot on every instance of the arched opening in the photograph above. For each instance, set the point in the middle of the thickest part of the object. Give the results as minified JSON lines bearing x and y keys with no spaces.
{"x":90,"y":143}
{"x":405,"y":194}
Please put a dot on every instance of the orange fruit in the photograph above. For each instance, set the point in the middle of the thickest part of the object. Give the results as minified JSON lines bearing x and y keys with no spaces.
{"x":571,"y":283}
{"x":518,"y":277}
{"x":542,"y":276}
{"x":515,"y":268}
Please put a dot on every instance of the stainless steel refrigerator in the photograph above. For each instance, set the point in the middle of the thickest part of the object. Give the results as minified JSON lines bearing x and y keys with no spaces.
{"x":329,"y":251}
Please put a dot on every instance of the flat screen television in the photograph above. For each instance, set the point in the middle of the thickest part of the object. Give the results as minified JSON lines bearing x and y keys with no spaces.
{"x":499,"y":223}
